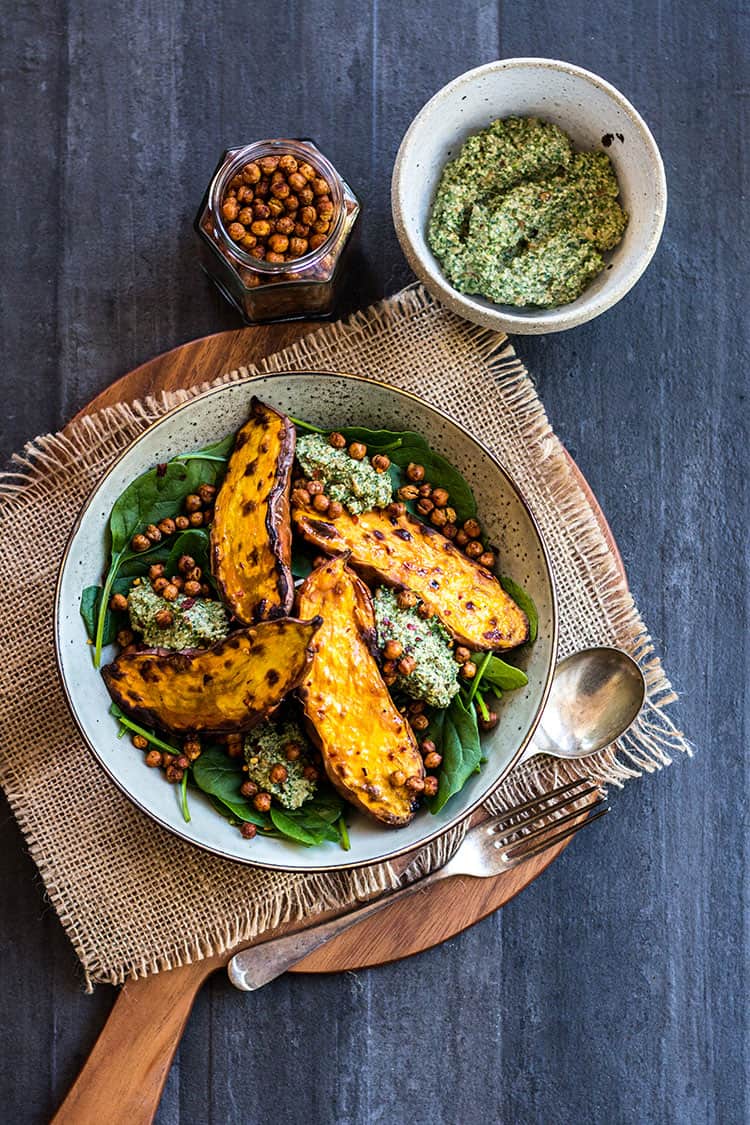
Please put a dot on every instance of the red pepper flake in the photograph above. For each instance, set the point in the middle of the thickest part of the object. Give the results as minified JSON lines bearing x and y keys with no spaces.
{"x":188,"y":603}
{"x":161,"y":469}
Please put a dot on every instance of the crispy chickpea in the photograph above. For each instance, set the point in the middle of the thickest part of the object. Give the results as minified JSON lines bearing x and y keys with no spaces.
{"x":174,"y":774}
{"x":247,"y":830}
{"x":119,"y":603}
{"x":268,"y":164}
{"x":408,"y":492}
{"x":396,"y":509}
{"x":487,"y":559}
{"x":278,"y":177}
{"x":259,"y":252}
{"x":358,"y":451}
{"x":124,"y":638}
{"x":337,"y":440}
{"x":308,"y":171}
{"x":251,"y":173}
{"x":397,"y":779}
{"x":272,"y":256}
{"x":140,"y":742}
{"x":472,"y":528}
{"x":325,"y":208}
{"x":262,"y":801}
{"x":163,"y":619}
{"x":177,"y":580}
{"x":260,"y":209}
{"x":380,"y":463}
{"x":321,"y":226}
{"x":192,"y":589}
{"x":167,"y":526}
{"x":320,"y":186}
{"x":310,"y":773}
{"x":245,"y":194}
{"x":236,"y":231}
{"x":245,"y":216}
{"x":317,"y":240}
{"x":419,"y":722}
{"x":461,"y":654}
{"x":205,"y":590}
{"x":287,"y":163}
{"x":406,"y":665}
{"x":306,"y":196}
{"x":291,"y":205}
{"x":393,"y":650}
{"x":438,"y":517}
{"x":185,"y":563}
{"x":426,"y":746}
{"x":474,"y":549}
{"x":440,"y":496}
{"x":193,"y":503}
{"x":308,"y":215}
{"x":276,"y":208}
{"x":432,"y":760}
{"x":140,"y":543}
{"x":415,"y":784}
{"x":292,"y":751}
{"x":426,"y":491}
{"x":153,"y":758}
{"x":389,"y":678}
{"x":450,"y":530}
{"x":425,"y":506}
{"x":281,"y":189}
{"x":335,"y":510}
{"x":248,"y":789}
{"x":279,"y":243}
{"x":207,"y":492}
{"x":301,"y":498}
{"x":297,"y":181}
{"x":415,"y":706}
{"x":450,"y":513}
{"x":170,"y":592}
{"x":262,"y":188}
{"x":315,"y":487}
{"x":278,"y":773}
{"x":468,"y":670}
{"x":405,"y":599}
{"x":285,"y":225}
{"x":425,"y":611}
{"x":414,"y":471}
{"x":196,"y":519}
{"x":261,"y":228}
{"x":321,"y":503}
{"x":431,"y":785}
{"x":182,"y":523}
{"x":230,"y":210}
{"x":152,"y":533}
{"x":460,"y":538}
{"x":490,"y":722}
{"x":297,"y":247}
{"x":160,"y":584}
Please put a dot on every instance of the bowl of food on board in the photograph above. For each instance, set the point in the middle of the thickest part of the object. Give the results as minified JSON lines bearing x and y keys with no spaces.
{"x":529,"y":195}
{"x":306,"y":621}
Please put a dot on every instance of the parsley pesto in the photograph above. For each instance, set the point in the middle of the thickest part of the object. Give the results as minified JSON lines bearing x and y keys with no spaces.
{"x":269,"y":745}
{"x":522,"y":219}
{"x":435,"y":676}
{"x":196,"y":622}
{"x":355,"y":484}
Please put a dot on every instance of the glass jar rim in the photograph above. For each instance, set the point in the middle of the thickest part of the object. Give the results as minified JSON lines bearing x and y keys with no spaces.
{"x":254,"y":151}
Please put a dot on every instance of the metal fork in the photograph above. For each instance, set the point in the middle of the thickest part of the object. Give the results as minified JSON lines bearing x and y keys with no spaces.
{"x":492,"y":847}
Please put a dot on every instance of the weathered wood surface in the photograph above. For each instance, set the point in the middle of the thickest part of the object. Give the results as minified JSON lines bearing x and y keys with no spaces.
{"x":615,"y":987}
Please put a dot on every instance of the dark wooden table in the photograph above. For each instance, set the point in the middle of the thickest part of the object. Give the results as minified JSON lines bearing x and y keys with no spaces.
{"x":615,"y":987}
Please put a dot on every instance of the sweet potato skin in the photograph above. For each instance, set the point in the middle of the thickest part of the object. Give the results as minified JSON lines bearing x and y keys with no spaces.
{"x":226,"y":688}
{"x":362,"y":736}
{"x":403,"y":552}
{"x":251,"y":539}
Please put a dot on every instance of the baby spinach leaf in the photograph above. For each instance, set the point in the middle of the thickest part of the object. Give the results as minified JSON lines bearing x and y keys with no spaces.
{"x":524,"y":602}
{"x":240,"y":810}
{"x":195,"y":543}
{"x":503,"y":676}
{"x":218,"y":774}
{"x":293,"y":827}
{"x":459,"y":745}
{"x":91,"y":597}
{"x":219,"y":451}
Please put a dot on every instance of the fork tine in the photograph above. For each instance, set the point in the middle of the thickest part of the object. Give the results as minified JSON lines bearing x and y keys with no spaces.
{"x":502,"y":830}
{"x":521,"y":854}
{"x":542,"y":797}
{"x":544,"y":828}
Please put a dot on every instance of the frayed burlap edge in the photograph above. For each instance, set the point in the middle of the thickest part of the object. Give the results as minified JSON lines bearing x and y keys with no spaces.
{"x":649,"y":745}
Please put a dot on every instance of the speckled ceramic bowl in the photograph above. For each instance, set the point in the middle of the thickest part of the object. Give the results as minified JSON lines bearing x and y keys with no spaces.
{"x":590,"y":111}
{"x":330,"y":401}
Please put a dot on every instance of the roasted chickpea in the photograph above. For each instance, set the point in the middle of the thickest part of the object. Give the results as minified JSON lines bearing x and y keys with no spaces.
{"x":160,"y":584}
{"x":153,"y":758}
{"x":461,"y":654}
{"x":297,"y":247}
{"x":192,"y":589}
{"x":301,"y":498}
{"x":236,"y":231}
{"x":261,"y":228}
{"x":297,"y":181}
{"x":432,"y":760}
{"x":307,"y":171}
{"x":408,"y":492}
{"x":320,"y":186}
{"x":268,"y":164}
{"x":474,"y":549}
{"x":425,"y":612}
{"x":119,"y":603}
{"x":438,"y":517}
{"x":262,"y":801}
{"x":406,"y":665}
{"x":306,"y":196}
{"x":472,"y":528}
{"x":276,"y":209}
{"x":185,"y":563}
{"x":124,"y":638}
{"x":288,"y":164}
{"x":139,"y":742}
{"x":419,"y":722}
{"x":426,"y":491}
{"x":450,"y":530}
{"x":230,"y":210}
{"x":440,"y":497}
{"x":248,"y":789}
{"x":163,"y":619}
{"x":426,"y":746}
{"x":245,"y":194}
{"x":460,"y":538}
{"x":177,"y":580}
{"x":196,"y":519}
{"x":397,"y":779}
{"x":285,"y":225}
{"x":281,"y":189}
{"x":315,"y":487}
{"x":317,"y":240}
{"x":321,"y":226}
{"x":251,"y":173}
{"x":487,"y":559}
{"x":174,"y":774}
{"x":262,"y":188}
{"x":325,"y":208}
{"x":279,"y":243}
{"x":193,"y":503}
{"x":152,"y":533}
{"x":278,"y":773}
{"x":170,"y":592}
{"x":335,"y":510}
{"x":358,"y":451}
{"x":406,"y":599}
{"x":414,"y":471}
{"x":490,"y":722}
{"x":308,"y":215}
{"x":272,"y":256}
{"x":321,"y":503}
{"x":258,"y":252}
{"x":292,"y":751}
{"x":393,"y":650}
{"x":425,"y":506}
{"x":431,"y":785}
{"x":310,"y":773}
{"x":167,"y":526}
{"x":337,"y":440}
{"x":234,"y":745}
{"x":245,"y":216}
{"x":140,"y":543}
{"x":182,"y":523}
{"x":261,"y":210}
{"x":396,"y":509}
{"x":415,"y":784}
{"x":247,"y":830}
{"x":380,"y":463}
{"x":468,"y":670}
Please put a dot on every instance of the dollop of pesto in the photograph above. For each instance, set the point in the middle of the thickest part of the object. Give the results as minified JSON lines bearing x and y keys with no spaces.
{"x":265,"y":747}
{"x":355,"y":484}
{"x":435,"y":678}
{"x":522,"y":219}
{"x":196,"y":622}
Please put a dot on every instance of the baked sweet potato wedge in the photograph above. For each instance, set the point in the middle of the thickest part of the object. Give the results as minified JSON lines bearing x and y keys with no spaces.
{"x":251,"y":539}
{"x":405,"y":553}
{"x":363,"y":738}
{"x":228,"y":687}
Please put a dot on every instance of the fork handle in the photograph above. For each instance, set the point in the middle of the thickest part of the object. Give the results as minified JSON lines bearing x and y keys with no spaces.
{"x":251,"y":968}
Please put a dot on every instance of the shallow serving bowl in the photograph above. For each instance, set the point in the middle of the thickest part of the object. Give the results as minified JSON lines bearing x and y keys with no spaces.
{"x":331,"y":401}
{"x":594,"y":114}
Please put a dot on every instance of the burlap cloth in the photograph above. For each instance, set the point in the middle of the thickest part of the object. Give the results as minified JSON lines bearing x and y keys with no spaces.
{"x":133,"y":898}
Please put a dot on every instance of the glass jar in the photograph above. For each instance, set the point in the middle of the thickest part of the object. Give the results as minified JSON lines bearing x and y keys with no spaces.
{"x":261,"y":291}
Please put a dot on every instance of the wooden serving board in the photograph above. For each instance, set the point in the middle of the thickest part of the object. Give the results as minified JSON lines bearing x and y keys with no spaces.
{"x":122,"y":1080}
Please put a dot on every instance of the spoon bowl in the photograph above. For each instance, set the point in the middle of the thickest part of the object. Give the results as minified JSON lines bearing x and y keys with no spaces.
{"x":596,"y":695}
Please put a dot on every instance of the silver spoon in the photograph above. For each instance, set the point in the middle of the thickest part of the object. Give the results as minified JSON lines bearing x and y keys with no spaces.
{"x":596,"y":695}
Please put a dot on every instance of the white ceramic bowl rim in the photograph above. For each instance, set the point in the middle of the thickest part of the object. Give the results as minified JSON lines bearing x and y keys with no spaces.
{"x":390,"y":853}
{"x":553,"y":319}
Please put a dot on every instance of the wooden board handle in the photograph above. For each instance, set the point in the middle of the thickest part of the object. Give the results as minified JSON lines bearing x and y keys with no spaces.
{"x":122,"y":1080}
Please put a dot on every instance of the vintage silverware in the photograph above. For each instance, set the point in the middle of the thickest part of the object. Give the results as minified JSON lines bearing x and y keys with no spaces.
{"x":489,"y":849}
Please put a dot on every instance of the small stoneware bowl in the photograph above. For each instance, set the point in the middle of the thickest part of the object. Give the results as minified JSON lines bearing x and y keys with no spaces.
{"x":594,"y":114}
{"x":330,"y":401}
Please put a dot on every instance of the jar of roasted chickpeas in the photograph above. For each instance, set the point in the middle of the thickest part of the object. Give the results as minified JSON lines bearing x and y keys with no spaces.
{"x":274,"y":228}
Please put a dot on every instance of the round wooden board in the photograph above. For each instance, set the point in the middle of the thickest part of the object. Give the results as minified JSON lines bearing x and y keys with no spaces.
{"x":445,"y":910}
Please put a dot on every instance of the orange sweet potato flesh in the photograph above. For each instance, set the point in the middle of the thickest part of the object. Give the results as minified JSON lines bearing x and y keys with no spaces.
{"x":362,"y":736}
{"x":228,"y":687}
{"x":405,"y":553}
{"x":251,"y":539}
